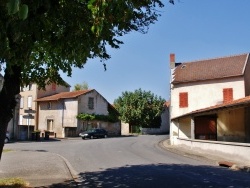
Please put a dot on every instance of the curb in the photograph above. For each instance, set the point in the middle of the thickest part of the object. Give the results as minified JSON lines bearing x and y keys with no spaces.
{"x":71,"y":170}
{"x":224,"y":163}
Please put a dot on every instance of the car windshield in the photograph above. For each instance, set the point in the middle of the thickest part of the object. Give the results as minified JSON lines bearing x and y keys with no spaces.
{"x":91,"y":131}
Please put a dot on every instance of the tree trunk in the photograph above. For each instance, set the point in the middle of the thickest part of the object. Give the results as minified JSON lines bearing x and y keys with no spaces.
{"x":10,"y":90}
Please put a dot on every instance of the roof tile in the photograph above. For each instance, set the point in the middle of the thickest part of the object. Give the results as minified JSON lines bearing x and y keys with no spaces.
{"x":209,"y":69}
{"x":63,"y":95}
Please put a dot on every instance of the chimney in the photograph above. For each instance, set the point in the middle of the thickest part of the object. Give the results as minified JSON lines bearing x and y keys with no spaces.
{"x":172,"y":61}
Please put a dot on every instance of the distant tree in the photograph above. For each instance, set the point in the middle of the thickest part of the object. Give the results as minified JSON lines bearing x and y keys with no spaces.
{"x":140,"y":108}
{"x":40,"y":38}
{"x":83,"y":86}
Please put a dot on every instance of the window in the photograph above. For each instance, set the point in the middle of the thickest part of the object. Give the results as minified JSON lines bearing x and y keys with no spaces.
{"x":50,"y":125}
{"x":53,"y":86}
{"x":29,"y":101}
{"x":20,"y":119}
{"x":49,"y":105}
{"x":21,"y":102}
{"x":227,"y":95}
{"x":183,"y":100}
{"x":91,"y":103}
{"x":30,"y":87}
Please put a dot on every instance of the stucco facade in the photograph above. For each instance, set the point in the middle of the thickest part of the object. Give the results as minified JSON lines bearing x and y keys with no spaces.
{"x":60,"y":118}
{"x":205,"y":93}
{"x":27,"y":121}
{"x":204,"y":82}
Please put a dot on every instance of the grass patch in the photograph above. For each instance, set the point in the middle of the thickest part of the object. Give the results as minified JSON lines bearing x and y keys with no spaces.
{"x":6,"y":150}
{"x":13,"y":183}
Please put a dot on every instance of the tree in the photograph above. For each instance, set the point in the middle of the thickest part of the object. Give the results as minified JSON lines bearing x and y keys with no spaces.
{"x":140,"y":108}
{"x":39,"y":38}
{"x":83,"y":86}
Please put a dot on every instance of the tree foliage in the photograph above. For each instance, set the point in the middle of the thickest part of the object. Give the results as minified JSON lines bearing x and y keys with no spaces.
{"x":89,"y":117}
{"x":40,"y":38}
{"x":140,"y":108}
{"x":83,"y":86}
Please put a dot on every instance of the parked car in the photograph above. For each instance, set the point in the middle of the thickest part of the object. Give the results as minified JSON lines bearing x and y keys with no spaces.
{"x":94,"y":133}
{"x":7,"y":137}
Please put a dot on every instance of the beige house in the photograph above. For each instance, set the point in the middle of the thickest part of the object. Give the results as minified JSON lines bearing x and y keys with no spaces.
{"x":210,"y":104}
{"x":57,"y":113}
{"x":28,"y":121}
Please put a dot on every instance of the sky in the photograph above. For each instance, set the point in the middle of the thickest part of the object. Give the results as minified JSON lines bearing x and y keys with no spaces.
{"x":191,"y":29}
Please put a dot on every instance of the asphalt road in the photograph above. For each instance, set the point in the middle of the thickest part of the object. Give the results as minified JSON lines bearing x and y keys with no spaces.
{"x":135,"y":161}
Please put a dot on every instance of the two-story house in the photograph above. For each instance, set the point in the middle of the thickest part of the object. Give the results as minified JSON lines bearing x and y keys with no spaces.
{"x":28,"y":121}
{"x":209,"y":100}
{"x":58,"y":113}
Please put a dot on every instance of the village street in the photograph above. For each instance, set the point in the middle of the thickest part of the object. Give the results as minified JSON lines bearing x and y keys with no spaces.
{"x":133,"y":161}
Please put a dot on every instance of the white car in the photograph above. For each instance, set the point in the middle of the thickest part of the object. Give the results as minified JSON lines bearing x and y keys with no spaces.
{"x":7,"y":137}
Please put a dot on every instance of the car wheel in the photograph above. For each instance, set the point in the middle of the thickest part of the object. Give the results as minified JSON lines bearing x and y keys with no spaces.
{"x":6,"y":140}
{"x":83,"y":138}
{"x":91,"y":137}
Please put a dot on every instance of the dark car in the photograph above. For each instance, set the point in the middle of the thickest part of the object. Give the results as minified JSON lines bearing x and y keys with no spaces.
{"x":94,"y":133}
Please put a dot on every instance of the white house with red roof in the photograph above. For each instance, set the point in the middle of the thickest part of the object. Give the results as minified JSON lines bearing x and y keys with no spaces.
{"x":210,"y":100}
{"x":58,"y":113}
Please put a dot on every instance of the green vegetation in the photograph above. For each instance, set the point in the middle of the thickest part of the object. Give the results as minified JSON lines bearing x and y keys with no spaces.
{"x":6,"y":150}
{"x":140,"y":108}
{"x":13,"y":183}
{"x":107,"y":118}
{"x":83,"y":86}
{"x":41,"y":39}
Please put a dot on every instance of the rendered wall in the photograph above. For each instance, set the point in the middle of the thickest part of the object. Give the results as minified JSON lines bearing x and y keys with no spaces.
{"x":205,"y":94}
{"x":185,"y":128}
{"x":231,"y":125}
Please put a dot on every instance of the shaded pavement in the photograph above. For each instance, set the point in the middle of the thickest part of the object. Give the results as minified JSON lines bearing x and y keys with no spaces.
{"x":45,"y":169}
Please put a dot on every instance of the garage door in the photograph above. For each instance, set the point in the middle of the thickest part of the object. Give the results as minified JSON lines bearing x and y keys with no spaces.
{"x":206,"y":127}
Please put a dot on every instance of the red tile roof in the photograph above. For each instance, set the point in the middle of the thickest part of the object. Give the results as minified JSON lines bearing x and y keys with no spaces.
{"x":167,"y":104}
{"x":233,"y":104}
{"x":209,"y":69}
{"x":64,"y":95}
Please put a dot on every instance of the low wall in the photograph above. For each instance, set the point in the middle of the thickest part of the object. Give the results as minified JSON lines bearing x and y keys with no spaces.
{"x":238,"y":151}
{"x":153,"y":131}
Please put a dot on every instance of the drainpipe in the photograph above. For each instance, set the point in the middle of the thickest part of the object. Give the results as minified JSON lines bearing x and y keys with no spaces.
{"x":63,"y":131}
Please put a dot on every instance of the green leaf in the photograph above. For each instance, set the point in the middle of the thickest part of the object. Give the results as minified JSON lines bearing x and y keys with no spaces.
{"x":13,"y":6}
{"x":23,"y":13}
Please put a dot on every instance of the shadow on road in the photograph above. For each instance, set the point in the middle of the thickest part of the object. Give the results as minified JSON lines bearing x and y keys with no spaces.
{"x":161,"y":175}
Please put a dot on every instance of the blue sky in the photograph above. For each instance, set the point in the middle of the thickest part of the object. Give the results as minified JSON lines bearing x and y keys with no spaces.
{"x":192,"y":29}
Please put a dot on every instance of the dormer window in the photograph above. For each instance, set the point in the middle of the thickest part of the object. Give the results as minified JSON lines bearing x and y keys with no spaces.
{"x":49,"y":105}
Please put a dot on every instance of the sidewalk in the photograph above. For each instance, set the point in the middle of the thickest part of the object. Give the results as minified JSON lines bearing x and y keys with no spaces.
{"x":220,"y":160}
{"x":39,"y":168}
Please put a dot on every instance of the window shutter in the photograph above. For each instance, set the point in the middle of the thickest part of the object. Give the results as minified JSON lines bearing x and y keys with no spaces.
{"x":29,"y":101}
{"x":53,"y":86}
{"x":183,"y":100}
{"x":227,"y":95}
{"x":20,"y":119}
{"x":21,"y":102}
